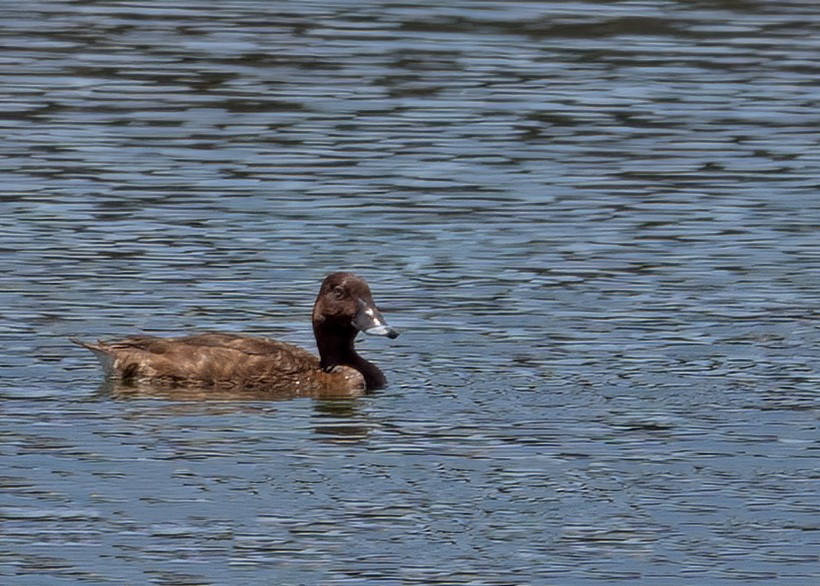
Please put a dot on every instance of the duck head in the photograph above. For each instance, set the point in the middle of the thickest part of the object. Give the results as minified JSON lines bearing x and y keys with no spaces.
{"x":343,"y":308}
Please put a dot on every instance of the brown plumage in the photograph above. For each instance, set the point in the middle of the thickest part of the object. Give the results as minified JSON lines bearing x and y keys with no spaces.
{"x":226,"y":362}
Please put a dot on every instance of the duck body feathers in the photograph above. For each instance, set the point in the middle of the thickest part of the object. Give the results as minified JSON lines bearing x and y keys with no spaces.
{"x":224,"y":362}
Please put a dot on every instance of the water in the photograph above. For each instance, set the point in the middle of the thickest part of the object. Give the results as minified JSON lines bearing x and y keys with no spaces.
{"x":596,"y":224}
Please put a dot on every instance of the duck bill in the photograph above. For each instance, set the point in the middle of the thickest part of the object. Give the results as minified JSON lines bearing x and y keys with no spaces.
{"x":370,"y":321}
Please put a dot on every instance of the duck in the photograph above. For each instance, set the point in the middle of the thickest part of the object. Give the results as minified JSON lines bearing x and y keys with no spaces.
{"x":236,"y":362}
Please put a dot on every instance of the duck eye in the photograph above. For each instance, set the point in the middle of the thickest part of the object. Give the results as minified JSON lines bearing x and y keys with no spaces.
{"x":338,"y":292}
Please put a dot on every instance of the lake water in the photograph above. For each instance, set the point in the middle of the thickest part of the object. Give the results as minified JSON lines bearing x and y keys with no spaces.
{"x":595,"y":223}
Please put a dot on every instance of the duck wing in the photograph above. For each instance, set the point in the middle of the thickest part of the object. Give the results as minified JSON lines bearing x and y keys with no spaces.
{"x":210,"y":359}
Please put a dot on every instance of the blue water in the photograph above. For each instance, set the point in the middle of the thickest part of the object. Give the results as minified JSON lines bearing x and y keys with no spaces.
{"x":595,"y":223}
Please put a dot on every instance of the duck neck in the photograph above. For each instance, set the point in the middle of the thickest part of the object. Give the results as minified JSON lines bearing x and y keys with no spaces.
{"x":336,"y":348}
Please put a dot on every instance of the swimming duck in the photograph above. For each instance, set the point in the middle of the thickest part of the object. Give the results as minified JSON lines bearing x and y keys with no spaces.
{"x":344,"y":307}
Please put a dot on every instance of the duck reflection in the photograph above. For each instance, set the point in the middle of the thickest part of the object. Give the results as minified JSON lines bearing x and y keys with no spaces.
{"x":340,"y":421}
{"x":335,"y":420}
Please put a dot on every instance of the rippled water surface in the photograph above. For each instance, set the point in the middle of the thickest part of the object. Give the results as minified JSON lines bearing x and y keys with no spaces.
{"x":596,"y":224}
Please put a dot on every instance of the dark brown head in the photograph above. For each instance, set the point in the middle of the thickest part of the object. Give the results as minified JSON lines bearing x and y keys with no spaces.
{"x":343,"y":308}
{"x":345,"y":303}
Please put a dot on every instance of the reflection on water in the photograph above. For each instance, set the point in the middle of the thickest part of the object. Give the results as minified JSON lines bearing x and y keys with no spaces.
{"x":341,"y":419}
{"x":596,"y":224}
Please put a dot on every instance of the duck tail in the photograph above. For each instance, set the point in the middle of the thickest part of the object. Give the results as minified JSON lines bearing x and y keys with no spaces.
{"x":103,"y":354}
